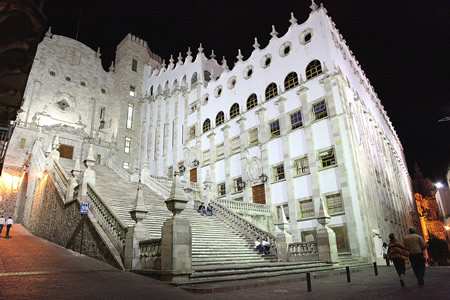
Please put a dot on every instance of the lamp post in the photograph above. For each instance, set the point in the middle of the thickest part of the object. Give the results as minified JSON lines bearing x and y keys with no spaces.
{"x":263,"y":177}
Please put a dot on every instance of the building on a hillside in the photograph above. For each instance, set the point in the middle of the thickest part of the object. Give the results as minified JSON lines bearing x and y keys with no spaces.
{"x":294,"y":124}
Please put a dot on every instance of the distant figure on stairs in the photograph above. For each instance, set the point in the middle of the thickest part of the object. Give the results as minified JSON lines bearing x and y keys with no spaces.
{"x":209,"y":210}
{"x":260,"y":247}
{"x":266,"y":245}
{"x":202,"y":209}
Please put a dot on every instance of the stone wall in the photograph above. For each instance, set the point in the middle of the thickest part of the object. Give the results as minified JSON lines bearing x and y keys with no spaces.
{"x":56,"y":222}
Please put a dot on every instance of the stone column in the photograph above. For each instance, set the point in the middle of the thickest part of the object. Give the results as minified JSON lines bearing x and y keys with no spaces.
{"x":136,"y":233}
{"x":212,"y":161}
{"x":263,"y":138}
{"x":166,"y":136}
{"x":227,"y":154}
{"x":73,"y":180}
{"x":157,"y":137}
{"x":54,"y":154}
{"x":88,"y":175}
{"x":176,"y":238}
{"x":175,"y":134}
{"x":243,"y":141}
{"x":151,"y":137}
{"x":326,"y":238}
{"x":283,"y":238}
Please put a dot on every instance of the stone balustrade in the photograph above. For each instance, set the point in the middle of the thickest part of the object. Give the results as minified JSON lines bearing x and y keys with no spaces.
{"x":150,"y":254}
{"x":195,"y":186}
{"x":243,"y":226}
{"x":59,"y":177}
{"x":245,"y":207}
{"x":107,"y":218}
{"x":39,"y":158}
{"x":166,"y":181}
{"x":303,"y":251}
{"x":118,"y":170}
{"x":161,"y":189}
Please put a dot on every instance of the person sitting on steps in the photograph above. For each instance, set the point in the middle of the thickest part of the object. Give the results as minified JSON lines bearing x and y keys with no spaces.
{"x":266,"y":246}
{"x":209,"y":210}
{"x":260,"y":247}
{"x":202,"y":209}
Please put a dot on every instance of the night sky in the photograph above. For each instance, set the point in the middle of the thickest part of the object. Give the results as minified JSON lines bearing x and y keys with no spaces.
{"x":403,"y":47}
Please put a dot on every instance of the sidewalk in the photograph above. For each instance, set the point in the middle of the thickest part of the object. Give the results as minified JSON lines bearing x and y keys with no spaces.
{"x":32,"y":268}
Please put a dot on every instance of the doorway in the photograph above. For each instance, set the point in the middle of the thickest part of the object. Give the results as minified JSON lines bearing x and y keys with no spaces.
{"x":259,"y":194}
{"x":65,"y":151}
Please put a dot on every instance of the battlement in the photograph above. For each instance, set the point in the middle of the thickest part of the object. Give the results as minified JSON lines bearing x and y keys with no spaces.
{"x":132,"y":38}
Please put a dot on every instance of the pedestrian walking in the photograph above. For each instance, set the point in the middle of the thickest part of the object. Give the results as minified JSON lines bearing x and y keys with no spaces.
{"x":9,"y":223}
{"x":385,"y":251}
{"x":398,"y":254}
{"x":415,"y":245}
{"x":2,"y":223}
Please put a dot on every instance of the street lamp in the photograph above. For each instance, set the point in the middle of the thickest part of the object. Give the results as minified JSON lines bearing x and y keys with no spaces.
{"x":263,"y":177}
{"x":241,"y":185}
{"x":438,"y":185}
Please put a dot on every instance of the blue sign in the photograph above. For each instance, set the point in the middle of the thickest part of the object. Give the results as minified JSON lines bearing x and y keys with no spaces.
{"x":84,"y":208}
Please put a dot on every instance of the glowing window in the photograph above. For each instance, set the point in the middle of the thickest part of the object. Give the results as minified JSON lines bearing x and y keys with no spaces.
{"x":126,"y":165}
{"x":296,"y":120}
{"x":252,"y":101}
{"x":313,"y":69}
{"x":320,"y":110}
{"x":220,"y":118}
{"x":22,"y":143}
{"x":234,"y":110}
{"x":271,"y":91}
{"x":274,"y":128}
{"x":206,"y":125}
{"x":291,"y":81}
{"x":127,"y":144}
{"x":130,"y":116}
{"x":132,"y":91}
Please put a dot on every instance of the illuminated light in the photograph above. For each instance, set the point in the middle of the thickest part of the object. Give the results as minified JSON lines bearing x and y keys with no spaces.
{"x":16,"y":182}
{"x":438,"y":185}
{"x":39,"y":175}
{"x":447,"y":227}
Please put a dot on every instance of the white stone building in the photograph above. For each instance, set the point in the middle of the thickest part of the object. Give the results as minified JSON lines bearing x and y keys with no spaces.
{"x":294,"y":124}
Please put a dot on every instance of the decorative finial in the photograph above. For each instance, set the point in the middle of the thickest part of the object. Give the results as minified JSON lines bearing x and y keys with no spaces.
{"x":239,"y":56}
{"x":293,"y":20}
{"x":98,"y":54}
{"x":200,"y":49}
{"x":256,"y":44}
{"x":111,"y":67}
{"x":171,"y":60}
{"x":49,"y":32}
{"x":224,"y":63}
{"x":274,"y":33}
{"x":163,"y":65}
{"x":313,"y":6}
{"x":212,"y":56}
{"x":189,"y":52}
{"x":180,"y":59}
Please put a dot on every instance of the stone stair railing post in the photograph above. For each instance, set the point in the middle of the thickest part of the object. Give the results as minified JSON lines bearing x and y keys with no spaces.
{"x":73,"y":180}
{"x":88,"y":175}
{"x":326,"y":238}
{"x":54,"y":154}
{"x":284,"y":238}
{"x":176,"y":238}
{"x":136,"y":233}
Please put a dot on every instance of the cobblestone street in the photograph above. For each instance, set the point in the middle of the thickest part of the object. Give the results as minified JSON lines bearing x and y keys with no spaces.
{"x":32,"y":268}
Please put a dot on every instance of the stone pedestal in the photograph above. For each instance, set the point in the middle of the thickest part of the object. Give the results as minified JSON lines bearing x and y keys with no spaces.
{"x":176,"y":250}
{"x":283,"y":241}
{"x":134,"y":236}
{"x":326,"y":245}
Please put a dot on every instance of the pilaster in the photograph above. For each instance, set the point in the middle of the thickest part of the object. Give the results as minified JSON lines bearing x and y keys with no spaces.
{"x":212,"y":161}
{"x":243,"y":143}
{"x":227,"y":153}
{"x":264,"y":138}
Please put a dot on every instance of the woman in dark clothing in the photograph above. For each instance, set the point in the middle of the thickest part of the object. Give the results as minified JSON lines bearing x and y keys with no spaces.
{"x":398,"y":254}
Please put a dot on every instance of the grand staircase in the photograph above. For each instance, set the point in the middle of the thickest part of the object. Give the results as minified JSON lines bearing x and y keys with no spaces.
{"x":219,"y":252}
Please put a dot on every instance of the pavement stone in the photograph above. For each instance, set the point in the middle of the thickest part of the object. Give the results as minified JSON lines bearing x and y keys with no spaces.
{"x":33,"y":268}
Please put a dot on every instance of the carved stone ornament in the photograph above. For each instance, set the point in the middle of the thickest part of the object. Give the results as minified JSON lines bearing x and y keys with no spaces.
{"x":64,"y":102}
{"x":254,"y":169}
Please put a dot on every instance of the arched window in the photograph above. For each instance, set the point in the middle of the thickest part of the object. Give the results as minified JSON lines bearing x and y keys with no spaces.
{"x":207,"y":76}
{"x":206,"y":125}
{"x":271,"y":91}
{"x":220,"y":118}
{"x":183,"y":81}
{"x":194,"y":78}
{"x":291,"y":81}
{"x":252,"y":101}
{"x":313,"y":69}
{"x":234,"y":110}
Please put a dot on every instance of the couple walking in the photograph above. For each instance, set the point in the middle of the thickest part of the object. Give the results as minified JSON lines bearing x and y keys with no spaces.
{"x":8,"y":224}
{"x":412,"y":249}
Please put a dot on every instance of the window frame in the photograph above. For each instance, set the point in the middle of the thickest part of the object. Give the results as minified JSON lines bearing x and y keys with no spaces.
{"x":236,"y":188}
{"x":252,"y":102}
{"x":234,"y":148}
{"x":130,"y":113}
{"x":221,"y":189}
{"x":320,"y":113}
{"x":250,"y":132}
{"x":206,"y":123}
{"x":292,"y":81}
{"x":206,"y":157}
{"x":313,"y":69}
{"x":221,"y":120}
{"x":220,"y":155}
{"x":297,"y":124}
{"x":276,"y":172}
{"x":132,"y":91}
{"x":134,"y":64}
{"x":334,"y":196}
{"x":275,"y":131}
{"x":285,"y":208}
{"x":303,"y":169}
{"x":234,"y":110}
{"x":326,"y":156}
{"x":127,"y":146}
{"x":271,"y":91}
{"x":309,"y":210}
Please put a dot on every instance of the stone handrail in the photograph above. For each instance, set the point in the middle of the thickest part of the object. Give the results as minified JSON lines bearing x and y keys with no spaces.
{"x":243,"y":226}
{"x":107,"y":218}
{"x":249,"y":208}
{"x":76,"y":190}
{"x":119,"y":171}
{"x":195,"y":186}
{"x":166,"y":181}
{"x":303,"y":251}
{"x":40,"y":158}
{"x":156,"y":186}
{"x":149,"y":249}
{"x":59,"y":177}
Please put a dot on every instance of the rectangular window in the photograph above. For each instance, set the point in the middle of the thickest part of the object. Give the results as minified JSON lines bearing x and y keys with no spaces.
{"x":191,"y":132}
{"x":134,"y":65}
{"x":102,"y":113}
{"x":306,"y":209}
{"x":274,"y":128}
{"x":235,"y":145}
{"x":237,"y":185}
{"x":220,"y":151}
{"x":284,"y":207}
{"x":278,"y":172}
{"x":132,"y":91}
{"x":221,"y":189}
{"x":127,"y":144}
{"x":296,"y":120}
{"x":22,"y":143}
{"x":253,"y":135}
{"x":206,"y":157}
{"x":130,"y":116}
{"x":170,"y":172}
{"x":320,"y":110}
{"x":327,"y":158}
{"x":301,"y":166}
{"x":334,"y":204}
{"x":126,"y":165}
